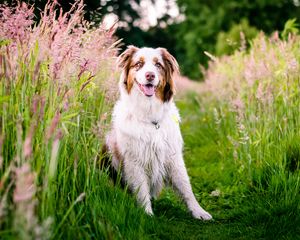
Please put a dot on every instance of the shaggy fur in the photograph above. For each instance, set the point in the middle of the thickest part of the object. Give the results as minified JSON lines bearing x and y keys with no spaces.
{"x":145,"y":140}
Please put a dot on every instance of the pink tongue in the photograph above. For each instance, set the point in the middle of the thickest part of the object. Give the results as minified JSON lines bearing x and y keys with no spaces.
{"x":148,"y":90}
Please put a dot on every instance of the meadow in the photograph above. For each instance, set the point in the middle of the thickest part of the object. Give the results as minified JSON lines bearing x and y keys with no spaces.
{"x":58,"y":85}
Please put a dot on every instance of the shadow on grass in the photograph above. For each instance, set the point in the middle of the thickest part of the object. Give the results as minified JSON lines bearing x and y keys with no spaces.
{"x":173,"y":221}
{"x":252,"y":220}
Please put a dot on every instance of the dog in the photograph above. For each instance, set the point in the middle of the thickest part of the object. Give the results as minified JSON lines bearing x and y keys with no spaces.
{"x":145,"y":141}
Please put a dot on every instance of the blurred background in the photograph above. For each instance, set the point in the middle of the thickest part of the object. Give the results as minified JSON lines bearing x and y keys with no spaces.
{"x":187,"y":28}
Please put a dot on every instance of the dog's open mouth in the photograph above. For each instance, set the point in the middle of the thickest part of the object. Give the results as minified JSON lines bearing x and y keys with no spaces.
{"x":148,"y":89}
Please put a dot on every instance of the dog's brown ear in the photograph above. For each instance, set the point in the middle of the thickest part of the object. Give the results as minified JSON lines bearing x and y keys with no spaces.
{"x":171,"y":68}
{"x":124,"y":62}
{"x":125,"y":58}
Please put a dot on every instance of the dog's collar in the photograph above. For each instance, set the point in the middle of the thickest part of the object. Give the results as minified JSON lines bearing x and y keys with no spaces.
{"x":174,"y":118}
{"x":156,"y":124}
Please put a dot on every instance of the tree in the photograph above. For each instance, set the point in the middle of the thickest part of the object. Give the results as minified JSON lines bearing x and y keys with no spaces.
{"x":205,"y":19}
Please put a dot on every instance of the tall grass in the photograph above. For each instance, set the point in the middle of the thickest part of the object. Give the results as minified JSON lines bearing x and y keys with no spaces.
{"x":256,"y":96}
{"x":54,"y":81}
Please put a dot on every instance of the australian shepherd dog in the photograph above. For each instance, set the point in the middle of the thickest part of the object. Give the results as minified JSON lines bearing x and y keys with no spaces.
{"x":145,"y":140}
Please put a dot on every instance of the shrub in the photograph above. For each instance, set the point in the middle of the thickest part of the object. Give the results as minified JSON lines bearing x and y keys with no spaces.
{"x":237,"y":37}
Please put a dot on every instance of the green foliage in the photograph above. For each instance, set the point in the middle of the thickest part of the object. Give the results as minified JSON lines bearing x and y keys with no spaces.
{"x":237,"y":37}
{"x":206,"y":19}
{"x":290,"y":27}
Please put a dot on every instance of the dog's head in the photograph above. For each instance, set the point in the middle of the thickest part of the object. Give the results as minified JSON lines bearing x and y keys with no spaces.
{"x":149,"y":71}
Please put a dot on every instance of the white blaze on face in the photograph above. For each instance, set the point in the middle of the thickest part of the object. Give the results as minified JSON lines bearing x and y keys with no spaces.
{"x":152,"y":61}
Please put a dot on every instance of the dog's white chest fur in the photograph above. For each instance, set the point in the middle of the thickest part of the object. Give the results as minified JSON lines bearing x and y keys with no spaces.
{"x":150,"y":135}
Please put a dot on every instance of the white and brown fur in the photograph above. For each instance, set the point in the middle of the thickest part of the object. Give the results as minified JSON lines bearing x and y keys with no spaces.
{"x":145,"y":141}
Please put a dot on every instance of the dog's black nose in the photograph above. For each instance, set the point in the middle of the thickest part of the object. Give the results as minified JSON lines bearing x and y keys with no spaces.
{"x":150,"y":76}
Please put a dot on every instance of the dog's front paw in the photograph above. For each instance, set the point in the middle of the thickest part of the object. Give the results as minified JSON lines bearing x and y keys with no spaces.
{"x":149,"y":211}
{"x":201,"y":214}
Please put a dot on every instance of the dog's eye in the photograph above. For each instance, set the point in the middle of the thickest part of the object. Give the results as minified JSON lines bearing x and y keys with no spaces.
{"x":158,"y":65}
{"x":138,"y":65}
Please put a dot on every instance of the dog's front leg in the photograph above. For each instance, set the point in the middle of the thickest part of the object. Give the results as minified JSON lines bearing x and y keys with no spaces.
{"x":181,"y":183}
{"x":137,"y":181}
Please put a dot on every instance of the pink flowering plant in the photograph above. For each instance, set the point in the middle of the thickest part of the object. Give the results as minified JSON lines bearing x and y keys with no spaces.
{"x":255,"y":99}
{"x":55,"y":85}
